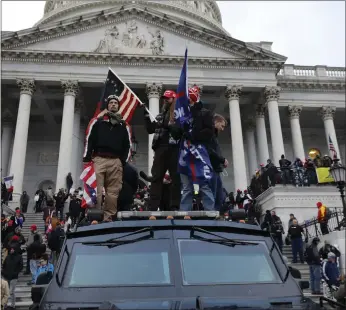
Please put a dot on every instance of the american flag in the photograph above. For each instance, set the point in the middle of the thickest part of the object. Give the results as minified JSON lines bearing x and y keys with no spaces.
{"x":128,"y":100}
{"x":332,"y":148}
{"x":128,"y":104}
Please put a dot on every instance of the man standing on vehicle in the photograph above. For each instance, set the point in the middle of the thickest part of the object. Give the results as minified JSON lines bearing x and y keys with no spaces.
{"x":217,"y":161}
{"x":108,"y":147}
{"x":166,"y":148}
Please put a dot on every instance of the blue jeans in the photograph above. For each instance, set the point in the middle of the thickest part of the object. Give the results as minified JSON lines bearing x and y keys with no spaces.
{"x":217,"y":189}
{"x":33,"y":269}
{"x":297,"y":247}
{"x":187,"y":195}
{"x":315,"y":278}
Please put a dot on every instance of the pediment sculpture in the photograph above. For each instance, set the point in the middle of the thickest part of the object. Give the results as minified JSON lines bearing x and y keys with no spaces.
{"x":131,"y":40}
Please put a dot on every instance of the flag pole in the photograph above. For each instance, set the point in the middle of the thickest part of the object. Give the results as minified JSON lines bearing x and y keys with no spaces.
{"x":141,"y":103}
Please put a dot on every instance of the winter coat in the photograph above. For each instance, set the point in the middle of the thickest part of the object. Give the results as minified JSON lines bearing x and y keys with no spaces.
{"x":47,"y":268}
{"x":24,"y":199}
{"x":330,"y":273}
{"x":35,"y":250}
{"x":75,"y":207}
{"x":60,"y":199}
{"x":31,"y":238}
{"x":9,"y":236}
{"x":130,"y":186}
{"x":312,"y":256}
{"x":164,"y":133}
{"x":12,"y":266}
{"x":202,"y":125}
{"x":322,"y":213}
{"x":55,"y":239}
{"x":216,"y":159}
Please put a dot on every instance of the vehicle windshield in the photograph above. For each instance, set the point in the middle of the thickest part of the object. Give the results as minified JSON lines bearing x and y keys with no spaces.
{"x":212,"y":263}
{"x":141,"y":263}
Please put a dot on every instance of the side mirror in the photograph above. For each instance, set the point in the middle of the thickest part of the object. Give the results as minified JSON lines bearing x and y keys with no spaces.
{"x":304,"y":285}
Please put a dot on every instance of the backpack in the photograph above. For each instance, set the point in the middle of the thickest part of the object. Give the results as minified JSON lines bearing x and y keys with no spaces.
{"x":328,"y":213}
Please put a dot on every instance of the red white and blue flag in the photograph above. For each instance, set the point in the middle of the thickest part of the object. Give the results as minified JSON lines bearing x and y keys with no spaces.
{"x":128,"y":103}
{"x":332,"y":148}
{"x":9,"y":183}
{"x":194,"y":160}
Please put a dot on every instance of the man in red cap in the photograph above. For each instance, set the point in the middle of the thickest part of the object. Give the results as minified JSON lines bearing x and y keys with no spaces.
{"x":200,"y":132}
{"x":29,"y":241}
{"x":322,"y":217}
{"x":108,"y":147}
{"x":166,"y":148}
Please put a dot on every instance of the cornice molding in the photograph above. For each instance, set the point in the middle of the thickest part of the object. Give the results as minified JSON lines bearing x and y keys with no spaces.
{"x":25,"y":56}
{"x":312,"y":86}
{"x":215,"y":40}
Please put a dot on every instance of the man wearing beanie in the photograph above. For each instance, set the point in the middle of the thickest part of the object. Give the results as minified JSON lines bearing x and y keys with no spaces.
{"x":322,"y":218}
{"x":108,"y":147}
{"x":330,"y":275}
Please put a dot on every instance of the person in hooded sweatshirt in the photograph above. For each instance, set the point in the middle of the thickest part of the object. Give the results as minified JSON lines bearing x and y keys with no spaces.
{"x":12,"y":266}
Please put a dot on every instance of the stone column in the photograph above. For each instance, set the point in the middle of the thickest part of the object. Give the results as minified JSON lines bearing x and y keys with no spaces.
{"x":272,"y":95}
{"x":240,"y":180}
{"x":27,"y":88}
{"x":75,"y":158}
{"x":153,"y":91}
{"x":297,"y":139}
{"x":251,"y":147}
{"x":6,"y":141}
{"x":66,"y":137}
{"x":261,"y":133}
{"x":327,"y":113}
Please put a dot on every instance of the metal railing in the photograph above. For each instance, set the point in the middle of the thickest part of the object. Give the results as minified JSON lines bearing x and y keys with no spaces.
{"x":335,"y":222}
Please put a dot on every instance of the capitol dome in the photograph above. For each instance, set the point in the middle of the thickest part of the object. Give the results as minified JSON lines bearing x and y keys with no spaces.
{"x":204,"y":13}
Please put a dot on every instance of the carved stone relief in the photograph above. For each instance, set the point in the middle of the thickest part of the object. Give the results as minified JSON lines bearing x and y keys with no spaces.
{"x":47,"y":159}
{"x":131,"y":40}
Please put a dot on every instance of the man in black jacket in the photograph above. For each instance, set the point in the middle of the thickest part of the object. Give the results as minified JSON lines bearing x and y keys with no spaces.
{"x":199,"y":132}
{"x":166,"y":147}
{"x":11,"y":268}
{"x":313,"y":259}
{"x":218,"y":162}
{"x":108,"y":147}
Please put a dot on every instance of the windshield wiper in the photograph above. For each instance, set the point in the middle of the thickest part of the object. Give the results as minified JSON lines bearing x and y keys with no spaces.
{"x":223,"y":241}
{"x":114,"y":242}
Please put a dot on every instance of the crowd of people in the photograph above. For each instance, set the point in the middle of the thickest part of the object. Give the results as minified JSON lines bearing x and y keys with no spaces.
{"x":324,"y":262}
{"x":297,"y":173}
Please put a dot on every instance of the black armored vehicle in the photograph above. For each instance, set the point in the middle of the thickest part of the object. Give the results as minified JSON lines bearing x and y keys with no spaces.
{"x":174,"y":261}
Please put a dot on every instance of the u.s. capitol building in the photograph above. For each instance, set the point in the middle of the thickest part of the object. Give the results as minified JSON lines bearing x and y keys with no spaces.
{"x":53,"y":73}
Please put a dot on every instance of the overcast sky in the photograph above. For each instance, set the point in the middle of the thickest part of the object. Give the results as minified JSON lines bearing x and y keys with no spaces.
{"x":308,"y":33}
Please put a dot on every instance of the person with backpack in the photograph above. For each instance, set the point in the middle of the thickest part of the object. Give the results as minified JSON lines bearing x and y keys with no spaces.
{"x":312,"y":257}
{"x":322,"y":217}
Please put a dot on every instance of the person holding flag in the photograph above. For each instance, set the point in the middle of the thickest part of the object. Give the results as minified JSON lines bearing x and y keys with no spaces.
{"x":108,"y":144}
{"x":194,"y":163}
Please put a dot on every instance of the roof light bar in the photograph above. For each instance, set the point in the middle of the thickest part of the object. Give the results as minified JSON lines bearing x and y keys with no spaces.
{"x":144,"y":215}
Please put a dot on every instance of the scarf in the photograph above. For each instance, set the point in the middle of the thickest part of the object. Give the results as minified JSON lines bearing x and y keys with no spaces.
{"x":115,"y":118}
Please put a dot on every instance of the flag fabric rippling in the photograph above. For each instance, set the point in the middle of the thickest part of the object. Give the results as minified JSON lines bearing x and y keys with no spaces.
{"x":88,"y":176}
{"x":9,"y":183}
{"x":332,"y":148}
{"x":193,"y":158}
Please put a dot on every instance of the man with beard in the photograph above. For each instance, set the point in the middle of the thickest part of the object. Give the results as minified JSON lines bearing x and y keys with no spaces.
{"x":166,"y":147}
{"x":108,"y":147}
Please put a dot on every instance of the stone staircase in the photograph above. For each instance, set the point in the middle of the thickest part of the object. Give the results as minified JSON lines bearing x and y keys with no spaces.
{"x":23,"y":291}
{"x":305,"y":273}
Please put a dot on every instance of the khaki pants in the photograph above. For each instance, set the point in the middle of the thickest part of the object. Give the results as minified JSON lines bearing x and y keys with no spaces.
{"x":109,"y":174}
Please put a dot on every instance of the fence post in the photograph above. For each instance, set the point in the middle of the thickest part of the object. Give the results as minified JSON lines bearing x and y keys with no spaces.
{"x":316,"y":229}
{"x":337,"y":219}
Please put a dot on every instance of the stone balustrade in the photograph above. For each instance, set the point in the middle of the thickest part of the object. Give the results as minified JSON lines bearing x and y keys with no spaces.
{"x":319,"y":72}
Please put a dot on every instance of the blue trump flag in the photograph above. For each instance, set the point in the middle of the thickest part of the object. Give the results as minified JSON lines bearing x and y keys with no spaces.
{"x":193,"y":158}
